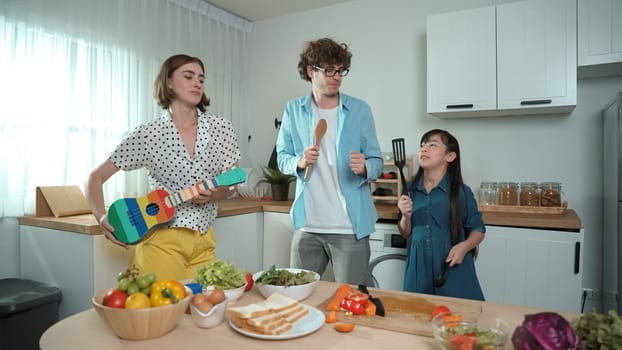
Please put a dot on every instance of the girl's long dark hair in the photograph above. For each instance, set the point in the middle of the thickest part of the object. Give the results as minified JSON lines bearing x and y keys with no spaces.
{"x":455,"y":214}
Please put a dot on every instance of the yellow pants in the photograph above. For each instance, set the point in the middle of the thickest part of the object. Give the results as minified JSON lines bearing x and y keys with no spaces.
{"x":174,"y":253}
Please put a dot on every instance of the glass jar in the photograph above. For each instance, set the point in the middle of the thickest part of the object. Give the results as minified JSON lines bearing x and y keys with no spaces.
{"x":508,"y":193}
{"x":488,"y":193}
{"x":529,"y":194}
{"x":551,"y":194}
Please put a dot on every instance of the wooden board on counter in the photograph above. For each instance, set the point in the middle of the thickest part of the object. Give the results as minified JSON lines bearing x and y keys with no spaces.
{"x":523,"y":209}
{"x":406,"y":312}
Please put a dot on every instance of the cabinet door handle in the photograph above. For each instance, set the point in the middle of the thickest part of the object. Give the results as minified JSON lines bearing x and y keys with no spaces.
{"x":536,"y":102}
{"x":466,"y":105}
{"x":577,"y":257}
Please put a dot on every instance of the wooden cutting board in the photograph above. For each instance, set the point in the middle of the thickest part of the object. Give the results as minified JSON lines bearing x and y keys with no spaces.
{"x":406,"y":312}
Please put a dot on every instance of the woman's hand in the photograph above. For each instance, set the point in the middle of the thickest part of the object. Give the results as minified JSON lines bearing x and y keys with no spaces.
{"x":108,"y":231}
{"x":203,"y":197}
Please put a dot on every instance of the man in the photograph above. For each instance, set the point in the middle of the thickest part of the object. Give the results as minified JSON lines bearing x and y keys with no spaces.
{"x":333,"y":211}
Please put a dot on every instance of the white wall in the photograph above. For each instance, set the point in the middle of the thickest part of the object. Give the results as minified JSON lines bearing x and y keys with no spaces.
{"x":388,"y":70}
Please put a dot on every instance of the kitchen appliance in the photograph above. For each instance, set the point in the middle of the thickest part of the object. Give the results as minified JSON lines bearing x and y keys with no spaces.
{"x":612,"y":202}
{"x":388,"y":257}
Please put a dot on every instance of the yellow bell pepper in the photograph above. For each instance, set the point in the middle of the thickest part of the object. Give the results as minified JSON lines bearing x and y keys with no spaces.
{"x":167,"y":292}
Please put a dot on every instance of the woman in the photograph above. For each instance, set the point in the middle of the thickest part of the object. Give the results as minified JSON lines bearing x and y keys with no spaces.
{"x":441,"y":218}
{"x":180,"y":148}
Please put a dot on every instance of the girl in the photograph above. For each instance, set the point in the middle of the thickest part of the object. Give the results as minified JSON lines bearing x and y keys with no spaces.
{"x":441,"y":218}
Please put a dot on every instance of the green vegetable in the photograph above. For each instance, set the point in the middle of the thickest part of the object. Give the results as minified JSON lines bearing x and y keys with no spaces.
{"x":222,"y":275}
{"x":599,"y":331}
{"x":285,"y":278}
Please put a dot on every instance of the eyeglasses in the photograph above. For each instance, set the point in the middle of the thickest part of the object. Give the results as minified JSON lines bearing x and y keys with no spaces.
{"x":330,"y":72}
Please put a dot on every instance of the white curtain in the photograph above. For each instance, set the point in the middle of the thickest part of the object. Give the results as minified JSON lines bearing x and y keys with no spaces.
{"x":78,"y":74}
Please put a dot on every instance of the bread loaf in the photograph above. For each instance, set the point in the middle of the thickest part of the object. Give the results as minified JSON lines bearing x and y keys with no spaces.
{"x":273,"y":316}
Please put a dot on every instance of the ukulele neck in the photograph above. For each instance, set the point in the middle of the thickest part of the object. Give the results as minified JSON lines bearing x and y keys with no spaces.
{"x":186,"y":194}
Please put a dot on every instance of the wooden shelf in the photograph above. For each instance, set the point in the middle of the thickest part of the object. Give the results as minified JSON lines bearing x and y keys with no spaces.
{"x":395,"y":185}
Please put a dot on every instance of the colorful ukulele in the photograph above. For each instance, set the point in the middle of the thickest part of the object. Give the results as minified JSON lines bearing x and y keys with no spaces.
{"x":132,"y":218}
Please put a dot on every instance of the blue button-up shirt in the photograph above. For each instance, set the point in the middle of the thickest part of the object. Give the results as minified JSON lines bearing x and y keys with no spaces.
{"x":355,"y":131}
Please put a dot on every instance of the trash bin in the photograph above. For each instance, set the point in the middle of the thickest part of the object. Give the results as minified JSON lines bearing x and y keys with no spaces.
{"x":27,"y":309}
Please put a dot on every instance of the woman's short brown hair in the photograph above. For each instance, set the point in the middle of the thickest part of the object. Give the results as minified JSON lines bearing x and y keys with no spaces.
{"x":323,"y":52}
{"x":161,"y":92}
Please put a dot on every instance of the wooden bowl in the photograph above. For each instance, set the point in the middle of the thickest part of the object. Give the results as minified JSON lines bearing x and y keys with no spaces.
{"x":140,"y":324}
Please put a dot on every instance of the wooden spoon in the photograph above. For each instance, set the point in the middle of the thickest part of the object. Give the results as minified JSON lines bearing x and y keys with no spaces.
{"x":320,"y":130}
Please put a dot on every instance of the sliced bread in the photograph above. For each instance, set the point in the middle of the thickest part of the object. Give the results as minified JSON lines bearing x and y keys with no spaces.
{"x":275,"y":302}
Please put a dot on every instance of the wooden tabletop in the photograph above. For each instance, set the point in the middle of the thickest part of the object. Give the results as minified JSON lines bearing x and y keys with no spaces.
{"x":86,"y":330}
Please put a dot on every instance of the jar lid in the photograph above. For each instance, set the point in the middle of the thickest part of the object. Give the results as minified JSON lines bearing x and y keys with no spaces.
{"x":508,"y":184}
{"x":550,"y":184}
{"x":528,"y":184}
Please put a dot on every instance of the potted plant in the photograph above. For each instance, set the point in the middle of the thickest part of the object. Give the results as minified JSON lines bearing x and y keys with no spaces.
{"x":278,"y":181}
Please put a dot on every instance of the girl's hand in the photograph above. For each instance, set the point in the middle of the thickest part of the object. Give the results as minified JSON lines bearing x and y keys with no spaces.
{"x":203,"y":197}
{"x":405,"y":205}
{"x":456,"y":253}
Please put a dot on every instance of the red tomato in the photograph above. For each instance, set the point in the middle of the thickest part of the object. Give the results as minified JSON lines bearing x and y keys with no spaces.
{"x":441,"y":309}
{"x":249,"y":282}
{"x":115,"y":298}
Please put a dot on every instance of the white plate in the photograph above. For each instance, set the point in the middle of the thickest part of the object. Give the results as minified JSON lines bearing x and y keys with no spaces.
{"x":306,"y":325}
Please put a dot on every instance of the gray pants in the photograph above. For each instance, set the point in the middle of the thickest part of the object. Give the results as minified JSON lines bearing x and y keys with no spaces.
{"x":349,"y":256}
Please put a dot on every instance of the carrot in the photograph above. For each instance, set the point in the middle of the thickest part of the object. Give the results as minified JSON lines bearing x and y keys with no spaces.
{"x":342,"y":291}
{"x":452,"y":320}
{"x":331,"y":317}
{"x":371,"y":309}
{"x":344,"y":327}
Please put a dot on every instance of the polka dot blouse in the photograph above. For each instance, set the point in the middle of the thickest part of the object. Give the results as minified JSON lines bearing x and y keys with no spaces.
{"x":157,"y":146}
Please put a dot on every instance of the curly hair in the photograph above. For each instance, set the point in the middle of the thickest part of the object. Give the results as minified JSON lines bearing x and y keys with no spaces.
{"x":162,"y":93}
{"x":323,"y":52}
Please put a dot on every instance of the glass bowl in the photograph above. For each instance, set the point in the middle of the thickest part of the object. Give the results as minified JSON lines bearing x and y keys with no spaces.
{"x":465,"y":330}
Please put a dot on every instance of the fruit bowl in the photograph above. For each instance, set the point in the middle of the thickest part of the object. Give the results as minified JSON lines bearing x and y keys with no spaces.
{"x":140,"y":324}
{"x":297,"y":292}
{"x":465,"y":330}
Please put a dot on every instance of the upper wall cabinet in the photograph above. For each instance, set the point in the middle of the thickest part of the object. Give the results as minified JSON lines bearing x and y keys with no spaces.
{"x":599,"y":48}
{"x":510,"y":59}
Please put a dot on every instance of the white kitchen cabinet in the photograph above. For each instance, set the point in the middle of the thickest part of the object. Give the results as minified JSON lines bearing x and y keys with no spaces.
{"x":532,"y":267}
{"x":599,"y":38}
{"x":461,"y":55}
{"x":277,"y":238}
{"x":79,"y":264}
{"x":599,"y":31}
{"x":239,"y":239}
{"x":508,"y":59}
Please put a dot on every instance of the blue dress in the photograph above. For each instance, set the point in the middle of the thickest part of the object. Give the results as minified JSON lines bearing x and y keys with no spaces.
{"x":430,"y":242}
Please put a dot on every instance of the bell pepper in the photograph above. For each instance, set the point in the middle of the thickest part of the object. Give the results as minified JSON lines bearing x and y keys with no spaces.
{"x":355,"y":302}
{"x":167,"y":292}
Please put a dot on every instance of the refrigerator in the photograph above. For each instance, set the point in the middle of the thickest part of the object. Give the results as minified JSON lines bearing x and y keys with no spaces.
{"x":612,"y":205}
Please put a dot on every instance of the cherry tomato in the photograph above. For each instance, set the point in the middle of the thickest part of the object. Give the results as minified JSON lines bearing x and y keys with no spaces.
{"x":115,"y":298}
{"x":441,"y":309}
{"x":249,"y":282}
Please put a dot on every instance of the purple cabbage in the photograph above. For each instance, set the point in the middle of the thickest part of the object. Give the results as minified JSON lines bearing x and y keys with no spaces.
{"x":545,"y":330}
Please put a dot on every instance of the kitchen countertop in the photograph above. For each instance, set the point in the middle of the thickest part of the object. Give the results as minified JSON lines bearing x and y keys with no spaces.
{"x":87,"y":224}
{"x":86,"y":330}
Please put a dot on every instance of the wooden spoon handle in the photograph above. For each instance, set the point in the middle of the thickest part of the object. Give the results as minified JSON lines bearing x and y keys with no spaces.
{"x":320,"y":130}
{"x":308,"y":172}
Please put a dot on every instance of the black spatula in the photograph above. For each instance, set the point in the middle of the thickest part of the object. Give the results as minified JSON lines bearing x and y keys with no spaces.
{"x":399,"y":158}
